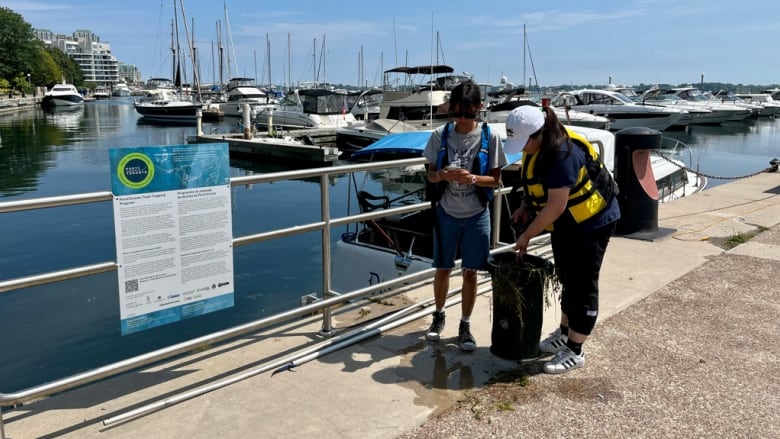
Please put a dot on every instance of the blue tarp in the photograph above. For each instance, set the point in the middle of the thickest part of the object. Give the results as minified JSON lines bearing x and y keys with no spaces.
{"x":407,"y":144}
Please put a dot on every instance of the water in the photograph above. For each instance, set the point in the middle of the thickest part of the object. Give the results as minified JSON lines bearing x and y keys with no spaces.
{"x":50,"y":332}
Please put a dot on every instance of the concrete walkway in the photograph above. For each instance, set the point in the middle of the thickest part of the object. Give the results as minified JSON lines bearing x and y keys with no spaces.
{"x":685,"y":347}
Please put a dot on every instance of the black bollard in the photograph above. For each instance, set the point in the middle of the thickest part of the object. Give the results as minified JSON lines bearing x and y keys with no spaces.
{"x":638,"y":198}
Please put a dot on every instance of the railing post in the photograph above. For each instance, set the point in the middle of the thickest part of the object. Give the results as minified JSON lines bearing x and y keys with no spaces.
{"x":327,"y":327}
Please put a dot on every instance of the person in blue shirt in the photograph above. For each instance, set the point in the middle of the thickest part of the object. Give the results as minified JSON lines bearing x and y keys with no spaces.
{"x":565,"y":195}
{"x":464,"y":163}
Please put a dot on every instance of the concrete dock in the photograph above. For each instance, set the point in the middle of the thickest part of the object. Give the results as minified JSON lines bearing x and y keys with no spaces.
{"x":686,"y":346}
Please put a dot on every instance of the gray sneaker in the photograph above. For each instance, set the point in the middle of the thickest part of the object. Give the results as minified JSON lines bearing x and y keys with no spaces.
{"x":564,"y":361}
{"x":466,"y":341}
{"x":437,"y":326}
{"x":553,"y":343}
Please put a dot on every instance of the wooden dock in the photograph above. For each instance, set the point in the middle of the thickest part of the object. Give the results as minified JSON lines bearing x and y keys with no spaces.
{"x":312,"y":146}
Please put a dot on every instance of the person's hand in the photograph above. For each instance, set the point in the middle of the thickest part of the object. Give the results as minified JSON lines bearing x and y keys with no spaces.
{"x":520,"y":215}
{"x":458,"y":175}
{"x":521,"y":245}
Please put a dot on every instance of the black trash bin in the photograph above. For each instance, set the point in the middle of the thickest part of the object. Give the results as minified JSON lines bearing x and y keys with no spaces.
{"x":519,"y":287}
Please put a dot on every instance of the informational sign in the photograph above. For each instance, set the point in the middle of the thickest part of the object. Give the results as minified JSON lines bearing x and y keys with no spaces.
{"x":173,"y":228}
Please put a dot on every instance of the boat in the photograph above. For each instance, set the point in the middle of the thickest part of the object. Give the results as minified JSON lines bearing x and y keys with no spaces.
{"x":382,"y":249}
{"x":694,"y":96}
{"x":121,"y":90}
{"x":101,"y":92}
{"x":622,"y":111}
{"x":500,"y":109}
{"x":756,"y":108}
{"x":307,"y":108}
{"x":62,"y":95}
{"x":166,"y":106}
{"x":697,"y":114}
{"x":173,"y":102}
{"x":424,"y":104}
{"x":365,"y":104}
{"x":240,"y":91}
{"x":763,"y":99}
{"x":360,"y":134}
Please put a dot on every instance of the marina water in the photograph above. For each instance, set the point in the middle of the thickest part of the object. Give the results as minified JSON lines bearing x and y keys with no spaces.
{"x":53,"y":331}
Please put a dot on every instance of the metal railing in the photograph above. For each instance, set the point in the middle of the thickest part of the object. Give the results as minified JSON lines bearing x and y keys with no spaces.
{"x":328,"y":300}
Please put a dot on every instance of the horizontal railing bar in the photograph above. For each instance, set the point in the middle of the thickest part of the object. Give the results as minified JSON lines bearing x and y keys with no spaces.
{"x":316,"y":172}
{"x":56,"y":276}
{"x":58,"y":201}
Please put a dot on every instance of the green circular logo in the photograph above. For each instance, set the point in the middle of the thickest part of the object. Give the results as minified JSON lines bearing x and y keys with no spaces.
{"x":135,"y":170}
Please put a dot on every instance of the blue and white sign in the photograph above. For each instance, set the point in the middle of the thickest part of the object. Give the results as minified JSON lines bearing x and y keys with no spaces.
{"x":173,"y":228}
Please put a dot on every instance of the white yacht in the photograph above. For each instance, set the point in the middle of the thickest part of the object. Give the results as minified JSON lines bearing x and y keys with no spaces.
{"x":694,"y":96}
{"x":697,"y":114}
{"x":622,"y":111}
{"x":307,"y":108}
{"x":241,"y":91}
{"x":62,"y":95}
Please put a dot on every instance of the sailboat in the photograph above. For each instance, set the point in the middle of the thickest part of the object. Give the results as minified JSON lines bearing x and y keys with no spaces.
{"x":166,"y":104}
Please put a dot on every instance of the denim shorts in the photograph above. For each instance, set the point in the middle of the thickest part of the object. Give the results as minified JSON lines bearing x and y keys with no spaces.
{"x":468,"y":238}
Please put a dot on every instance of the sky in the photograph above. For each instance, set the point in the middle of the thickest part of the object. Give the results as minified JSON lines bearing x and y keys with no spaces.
{"x":569,"y":42}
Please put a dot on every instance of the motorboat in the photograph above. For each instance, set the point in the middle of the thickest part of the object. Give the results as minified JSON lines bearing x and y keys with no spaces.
{"x":101,"y":93}
{"x":307,"y":108}
{"x":424,"y":104}
{"x":62,"y":95}
{"x":763,"y":99}
{"x":694,"y":96}
{"x":360,"y":134}
{"x":365,"y":104}
{"x":241,"y":91}
{"x":695,"y":115}
{"x":121,"y":90}
{"x":622,"y":111}
{"x":166,"y":106}
{"x":498,"y":112}
{"x":386,"y":248}
{"x":756,"y":109}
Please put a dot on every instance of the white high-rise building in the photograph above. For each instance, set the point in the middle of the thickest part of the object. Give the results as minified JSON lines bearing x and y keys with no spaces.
{"x":85,"y":48}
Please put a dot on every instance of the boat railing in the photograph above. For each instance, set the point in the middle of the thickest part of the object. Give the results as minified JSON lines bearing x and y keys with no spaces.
{"x":323,"y":304}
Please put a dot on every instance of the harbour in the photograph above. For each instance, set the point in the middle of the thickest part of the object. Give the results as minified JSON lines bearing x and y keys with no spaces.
{"x":73,"y":156}
{"x":56,"y":154}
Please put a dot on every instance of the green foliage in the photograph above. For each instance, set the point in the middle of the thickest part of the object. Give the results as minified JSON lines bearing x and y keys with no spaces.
{"x":18,"y":46}
{"x":22,"y":54}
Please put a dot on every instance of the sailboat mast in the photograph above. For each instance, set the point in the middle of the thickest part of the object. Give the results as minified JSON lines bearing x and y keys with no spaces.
{"x":268,"y":58}
{"x":524,"y":47}
{"x":221,"y":51}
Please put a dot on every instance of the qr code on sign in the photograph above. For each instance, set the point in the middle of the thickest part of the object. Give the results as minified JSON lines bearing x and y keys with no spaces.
{"x":131,"y":286}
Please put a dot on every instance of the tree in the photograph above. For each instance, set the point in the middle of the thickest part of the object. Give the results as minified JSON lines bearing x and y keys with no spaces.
{"x":18,"y":45}
{"x":46,"y":71}
{"x":68,"y":68}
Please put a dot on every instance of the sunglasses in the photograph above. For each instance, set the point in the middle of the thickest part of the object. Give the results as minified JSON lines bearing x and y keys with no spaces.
{"x":463,"y":114}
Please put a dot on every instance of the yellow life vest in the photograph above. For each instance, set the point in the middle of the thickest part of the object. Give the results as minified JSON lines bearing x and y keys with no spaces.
{"x":585,"y":200}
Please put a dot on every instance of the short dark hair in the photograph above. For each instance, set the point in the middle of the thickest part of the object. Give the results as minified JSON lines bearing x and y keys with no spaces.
{"x":466,"y":95}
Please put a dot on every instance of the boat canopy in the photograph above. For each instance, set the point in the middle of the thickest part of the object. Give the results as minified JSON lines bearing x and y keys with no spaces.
{"x":422,"y":70}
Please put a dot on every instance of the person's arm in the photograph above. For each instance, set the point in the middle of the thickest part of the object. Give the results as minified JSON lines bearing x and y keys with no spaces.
{"x":492,"y":180}
{"x":556,"y":205}
{"x":435,"y":175}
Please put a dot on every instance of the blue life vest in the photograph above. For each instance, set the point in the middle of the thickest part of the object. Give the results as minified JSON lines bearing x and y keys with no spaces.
{"x":478,"y":167}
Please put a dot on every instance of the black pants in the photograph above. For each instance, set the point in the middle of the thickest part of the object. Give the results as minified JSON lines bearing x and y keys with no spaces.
{"x":578,"y":258}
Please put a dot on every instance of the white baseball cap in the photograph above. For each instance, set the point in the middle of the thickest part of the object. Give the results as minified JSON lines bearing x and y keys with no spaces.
{"x":520,"y":124}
